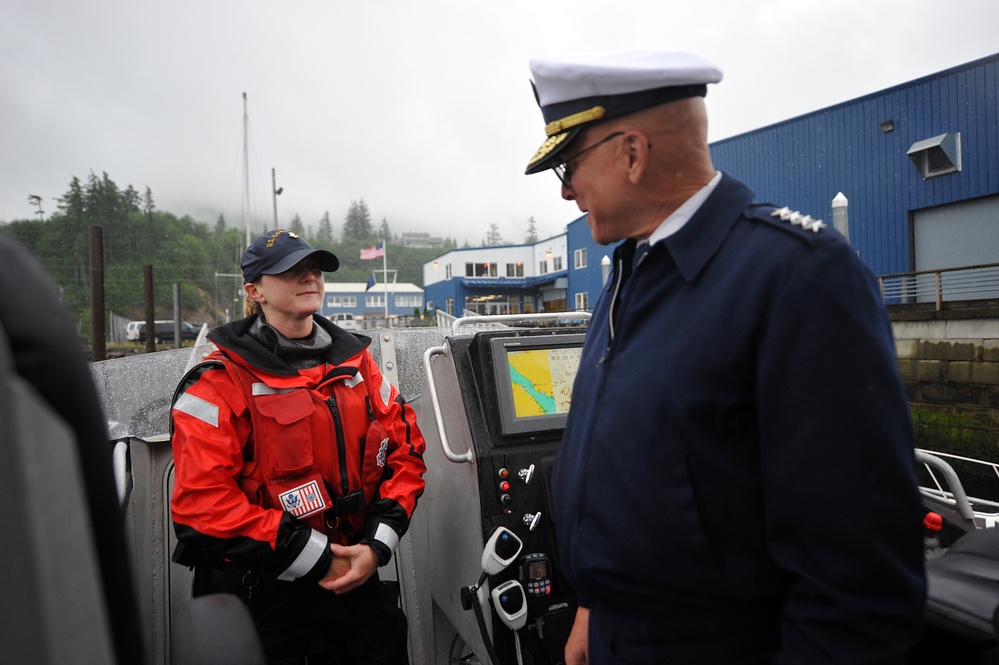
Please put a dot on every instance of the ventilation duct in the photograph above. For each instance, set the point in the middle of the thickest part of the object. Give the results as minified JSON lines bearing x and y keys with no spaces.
{"x":937,"y":156}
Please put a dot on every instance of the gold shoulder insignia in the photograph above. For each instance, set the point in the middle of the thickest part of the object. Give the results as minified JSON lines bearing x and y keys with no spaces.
{"x":797,"y":219}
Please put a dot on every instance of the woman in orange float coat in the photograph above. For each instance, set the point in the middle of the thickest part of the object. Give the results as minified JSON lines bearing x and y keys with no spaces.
{"x":298,"y":467}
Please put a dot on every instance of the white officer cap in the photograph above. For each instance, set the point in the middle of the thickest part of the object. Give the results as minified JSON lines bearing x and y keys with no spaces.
{"x":575,"y":91}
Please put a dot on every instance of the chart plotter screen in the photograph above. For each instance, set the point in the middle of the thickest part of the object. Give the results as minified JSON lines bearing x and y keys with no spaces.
{"x":534,"y":379}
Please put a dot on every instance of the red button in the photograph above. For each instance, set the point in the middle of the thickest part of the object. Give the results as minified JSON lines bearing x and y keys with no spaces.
{"x":504,"y":486}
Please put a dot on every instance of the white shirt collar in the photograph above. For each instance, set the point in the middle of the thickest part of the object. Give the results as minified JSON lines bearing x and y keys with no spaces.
{"x":682,"y":215}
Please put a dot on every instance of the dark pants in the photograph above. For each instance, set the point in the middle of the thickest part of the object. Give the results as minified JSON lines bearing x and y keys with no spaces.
{"x":296,"y":620}
{"x":729,"y":635}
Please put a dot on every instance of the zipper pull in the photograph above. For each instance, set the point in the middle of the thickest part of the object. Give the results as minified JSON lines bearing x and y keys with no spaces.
{"x":604,"y":357}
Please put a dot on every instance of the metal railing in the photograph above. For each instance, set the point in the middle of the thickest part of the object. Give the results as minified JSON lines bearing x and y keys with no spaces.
{"x":947,"y":484}
{"x":977,"y":282}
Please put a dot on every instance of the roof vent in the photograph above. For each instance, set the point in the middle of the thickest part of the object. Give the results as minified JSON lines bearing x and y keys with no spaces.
{"x":937,"y":156}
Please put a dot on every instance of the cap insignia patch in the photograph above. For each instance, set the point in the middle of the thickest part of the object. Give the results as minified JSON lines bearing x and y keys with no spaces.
{"x":797,"y":219}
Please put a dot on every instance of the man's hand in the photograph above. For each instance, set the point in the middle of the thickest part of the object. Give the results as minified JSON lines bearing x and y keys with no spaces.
{"x":351,"y":567}
{"x":577,"y":647}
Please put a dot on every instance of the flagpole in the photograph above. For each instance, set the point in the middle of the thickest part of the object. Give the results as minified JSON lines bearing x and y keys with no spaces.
{"x":385,"y":280}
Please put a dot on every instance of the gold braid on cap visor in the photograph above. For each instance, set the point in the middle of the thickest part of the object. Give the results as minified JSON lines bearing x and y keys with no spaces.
{"x":546,"y":148}
{"x":558,"y":126}
{"x":556,"y":130}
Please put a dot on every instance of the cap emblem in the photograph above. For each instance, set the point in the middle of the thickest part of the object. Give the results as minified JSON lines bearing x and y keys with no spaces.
{"x":278,"y":233}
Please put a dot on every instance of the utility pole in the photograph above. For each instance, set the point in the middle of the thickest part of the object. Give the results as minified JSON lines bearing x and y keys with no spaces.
{"x":276,"y":190}
{"x":97,"y":328}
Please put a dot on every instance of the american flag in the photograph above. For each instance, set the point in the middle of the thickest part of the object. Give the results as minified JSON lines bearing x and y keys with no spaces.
{"x":373,"y":252}
{"x":303,"y":500}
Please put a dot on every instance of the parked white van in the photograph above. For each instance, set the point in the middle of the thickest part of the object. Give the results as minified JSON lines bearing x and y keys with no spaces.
{"x":345,"y":320}
{"x":133,"y":329}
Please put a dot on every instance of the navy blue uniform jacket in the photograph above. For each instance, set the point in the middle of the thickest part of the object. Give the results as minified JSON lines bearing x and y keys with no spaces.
{"x":738,"y":462}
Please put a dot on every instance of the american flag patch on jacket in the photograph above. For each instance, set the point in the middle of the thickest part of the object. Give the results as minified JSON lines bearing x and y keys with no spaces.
{"x":303,"y":500}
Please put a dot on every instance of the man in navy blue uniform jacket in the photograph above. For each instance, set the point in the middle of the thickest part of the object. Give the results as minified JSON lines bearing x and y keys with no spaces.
{"x":736,"y":483}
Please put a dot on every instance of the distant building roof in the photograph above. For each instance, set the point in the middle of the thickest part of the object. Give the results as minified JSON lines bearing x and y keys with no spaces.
{"x":421,"y":240}
{"x":362,"y":287}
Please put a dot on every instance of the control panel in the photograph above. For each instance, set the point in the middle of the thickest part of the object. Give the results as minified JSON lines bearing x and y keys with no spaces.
{"x":515,"y":389}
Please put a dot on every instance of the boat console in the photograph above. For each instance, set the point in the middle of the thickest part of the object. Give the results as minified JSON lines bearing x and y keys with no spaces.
{"x":493,"y":410}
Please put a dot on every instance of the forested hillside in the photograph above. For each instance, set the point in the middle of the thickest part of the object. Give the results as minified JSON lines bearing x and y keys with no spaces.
{"x":194,"y":254}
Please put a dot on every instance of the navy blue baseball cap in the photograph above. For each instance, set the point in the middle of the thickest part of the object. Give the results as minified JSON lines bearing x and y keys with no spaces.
{"x":279,"y":250}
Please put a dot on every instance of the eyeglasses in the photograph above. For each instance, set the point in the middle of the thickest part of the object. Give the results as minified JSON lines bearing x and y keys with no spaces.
{"x":563,"y":169}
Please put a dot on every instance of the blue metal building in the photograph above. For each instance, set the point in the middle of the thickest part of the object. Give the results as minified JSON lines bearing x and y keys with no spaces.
{"x":507,"y":279}
{"x":917,"y":165}
{"x":586,"y":272}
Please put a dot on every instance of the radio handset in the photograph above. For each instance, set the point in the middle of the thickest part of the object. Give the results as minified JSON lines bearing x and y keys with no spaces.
{"x":500,"y":551}
{"x":536,"y":578}
{"x":511,"y":604}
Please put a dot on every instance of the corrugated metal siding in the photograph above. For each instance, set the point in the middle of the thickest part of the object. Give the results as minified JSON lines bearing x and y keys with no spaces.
{"x":804,"y":162}
{"x":589,"y":279}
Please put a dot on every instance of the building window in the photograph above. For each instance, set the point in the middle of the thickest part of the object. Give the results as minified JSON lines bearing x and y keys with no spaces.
{"x":582,"y":301}
{"x":543,"y":267}
{"x":447,"y":271}
{"x":408,"y":301}
{"x":449,"y":306}
{"x":480,"y":270}
{"x":515,"y":269}
{"x":556,"y":263}
{"x":341,"y":301}
{"x":579,"y":258}
{"x":374,"y":301}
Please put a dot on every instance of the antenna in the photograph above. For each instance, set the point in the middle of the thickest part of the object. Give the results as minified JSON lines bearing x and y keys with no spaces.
{"x":246,"y":175}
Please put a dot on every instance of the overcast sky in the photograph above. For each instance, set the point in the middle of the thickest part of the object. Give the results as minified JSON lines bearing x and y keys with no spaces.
{"x":421,"y":108}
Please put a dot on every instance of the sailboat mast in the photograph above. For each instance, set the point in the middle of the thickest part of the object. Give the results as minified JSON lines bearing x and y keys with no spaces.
{"x":385,"y":280}
{"x":246,"y":175}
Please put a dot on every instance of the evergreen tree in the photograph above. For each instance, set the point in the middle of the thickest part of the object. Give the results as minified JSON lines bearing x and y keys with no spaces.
{"x":493,"y":237}
{"x":296,"y":225}
{"x":383,"y":230}
{"x":147,"y":202}
{"x":130,"y":198}
{"x":324,"y":236}
{"x":71,"y":203}
{"x":107,"y":206}
{"x":357,"y":225}
{"x":220,"y":225}
{"x":65,"y":242}
{"x":532,"y":231}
